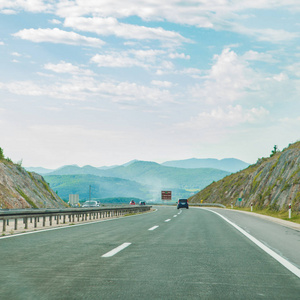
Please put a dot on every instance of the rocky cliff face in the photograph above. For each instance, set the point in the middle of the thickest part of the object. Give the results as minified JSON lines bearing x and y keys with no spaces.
{"x":21,"y":189}
{"x":272,"y":182}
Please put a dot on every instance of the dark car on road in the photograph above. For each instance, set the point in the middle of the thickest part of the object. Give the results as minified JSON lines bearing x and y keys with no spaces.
{"x":142,"y":203}
{"x":182,"y":203}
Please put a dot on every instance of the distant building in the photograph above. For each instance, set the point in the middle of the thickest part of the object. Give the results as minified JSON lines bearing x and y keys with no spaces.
{"x":73,"y":199}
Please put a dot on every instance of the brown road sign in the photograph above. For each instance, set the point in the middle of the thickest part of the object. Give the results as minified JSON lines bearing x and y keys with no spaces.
{"x":166,"y":195}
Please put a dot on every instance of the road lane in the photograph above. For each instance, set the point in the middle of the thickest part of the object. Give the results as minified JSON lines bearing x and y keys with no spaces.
{"x":283,"y":240}
{"x":195,"y":256}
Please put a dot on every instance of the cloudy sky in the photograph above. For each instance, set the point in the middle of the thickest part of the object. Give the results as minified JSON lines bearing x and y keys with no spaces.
{"x":104,"y":82}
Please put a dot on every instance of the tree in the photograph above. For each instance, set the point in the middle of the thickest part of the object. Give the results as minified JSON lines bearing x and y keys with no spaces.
{"x":1,"y":153}
{"x":274,"y":151}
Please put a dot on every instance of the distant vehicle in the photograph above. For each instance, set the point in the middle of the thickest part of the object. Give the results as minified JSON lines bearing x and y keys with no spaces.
{"x":142,"y":203}
{"x":132,"y":202}
{"x":183,"y":203}
{"x":91,"y":203}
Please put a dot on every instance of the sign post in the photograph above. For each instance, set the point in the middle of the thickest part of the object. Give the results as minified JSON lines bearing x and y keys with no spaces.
{"x":240,"y":200}
{"x":166,"y":195}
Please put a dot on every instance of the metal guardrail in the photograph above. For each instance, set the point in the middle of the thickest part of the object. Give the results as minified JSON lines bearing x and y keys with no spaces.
{"x":62,"y":216}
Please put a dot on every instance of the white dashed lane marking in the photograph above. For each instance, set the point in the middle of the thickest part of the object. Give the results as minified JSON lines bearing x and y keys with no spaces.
{"x":153,"y":228}
{"x":116,"y":250}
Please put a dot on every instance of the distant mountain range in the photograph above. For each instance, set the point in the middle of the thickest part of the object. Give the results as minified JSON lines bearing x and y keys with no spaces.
{"x":139,"y":179}
{"x":227,"y":164}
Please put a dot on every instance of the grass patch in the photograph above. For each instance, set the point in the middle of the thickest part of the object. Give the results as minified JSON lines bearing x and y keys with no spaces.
{"x":282,"y":214}
{"x":28,"y":200}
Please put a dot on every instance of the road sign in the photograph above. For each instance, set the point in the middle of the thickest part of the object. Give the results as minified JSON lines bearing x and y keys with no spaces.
{"x":166,"y":195}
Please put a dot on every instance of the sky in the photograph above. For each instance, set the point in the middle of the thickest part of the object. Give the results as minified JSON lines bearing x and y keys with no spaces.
{"x":103,"y":82}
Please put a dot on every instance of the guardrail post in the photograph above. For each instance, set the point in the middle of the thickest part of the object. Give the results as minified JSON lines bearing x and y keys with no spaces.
{"x":57,"y":219}
{"x":50,"y":220}
{"x":35,"y":222}
{"x":64,"y":219}
{"x":26,"y":222}
{"x":4,"y":225}
{"x":44,"y":221}
{"x":16,"y":223}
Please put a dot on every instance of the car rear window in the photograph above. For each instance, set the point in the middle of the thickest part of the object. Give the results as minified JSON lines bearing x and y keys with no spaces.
{"x":183,"y":200}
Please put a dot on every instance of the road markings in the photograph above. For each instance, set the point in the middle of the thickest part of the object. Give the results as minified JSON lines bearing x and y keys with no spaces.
{"x":276,"y":256}
{"x":116,"y":250}
{"x":175,"y":216}
{"x":153,"y":228}
{"x":168,"y":220}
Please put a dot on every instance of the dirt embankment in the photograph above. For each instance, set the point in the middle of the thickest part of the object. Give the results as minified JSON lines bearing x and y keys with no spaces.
{"x":272,"y":182}
{"x":22,"y":189}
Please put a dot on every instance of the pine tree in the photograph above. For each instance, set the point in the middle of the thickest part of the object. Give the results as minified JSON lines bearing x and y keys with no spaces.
{"x":1,"y":154}
{"x":274,"y":151}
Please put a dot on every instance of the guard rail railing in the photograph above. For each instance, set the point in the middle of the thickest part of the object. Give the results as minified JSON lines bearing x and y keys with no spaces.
{"x":14,"y":219}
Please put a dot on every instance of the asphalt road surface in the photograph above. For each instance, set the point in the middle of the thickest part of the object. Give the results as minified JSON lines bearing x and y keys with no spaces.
{"x":167,"y":254}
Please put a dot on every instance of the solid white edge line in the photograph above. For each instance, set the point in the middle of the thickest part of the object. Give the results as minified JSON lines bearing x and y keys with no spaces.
{"x":116,"y":250}
{"x":276,"y":256}
{"x":70,"y":226}
{"x":153,"y":228}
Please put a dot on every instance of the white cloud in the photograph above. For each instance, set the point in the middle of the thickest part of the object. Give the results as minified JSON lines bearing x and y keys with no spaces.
{"x":230,"y":116}
{"x":165,"y":84}
{"x":294,"y":69}
{"x":280,"y":77}
{"x":276,"y":36}
{"x":179,"y":55}
{"x":55,"y":21}
{"x":27,"y":5}
{"x":82,"y":88}
{"x":16,"y":54}
{"x":147,"y":59}
{"x":64,"y":67}
{"x":111,"y":26}
{"x":256,"y":56}
{"x":150,"y":54}
{"x":226,"y":81}
{"x":57,"y":36}
{"x":2,"y":43}
{"x":27,"y":88}
{"x":119,"y":60}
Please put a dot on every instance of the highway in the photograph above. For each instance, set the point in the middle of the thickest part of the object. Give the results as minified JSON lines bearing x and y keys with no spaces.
{"x":166,"y":254}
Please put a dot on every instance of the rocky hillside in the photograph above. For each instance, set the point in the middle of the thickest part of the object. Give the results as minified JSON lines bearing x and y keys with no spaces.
{"x":272,"y":182}
{"x":22,"y":189}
